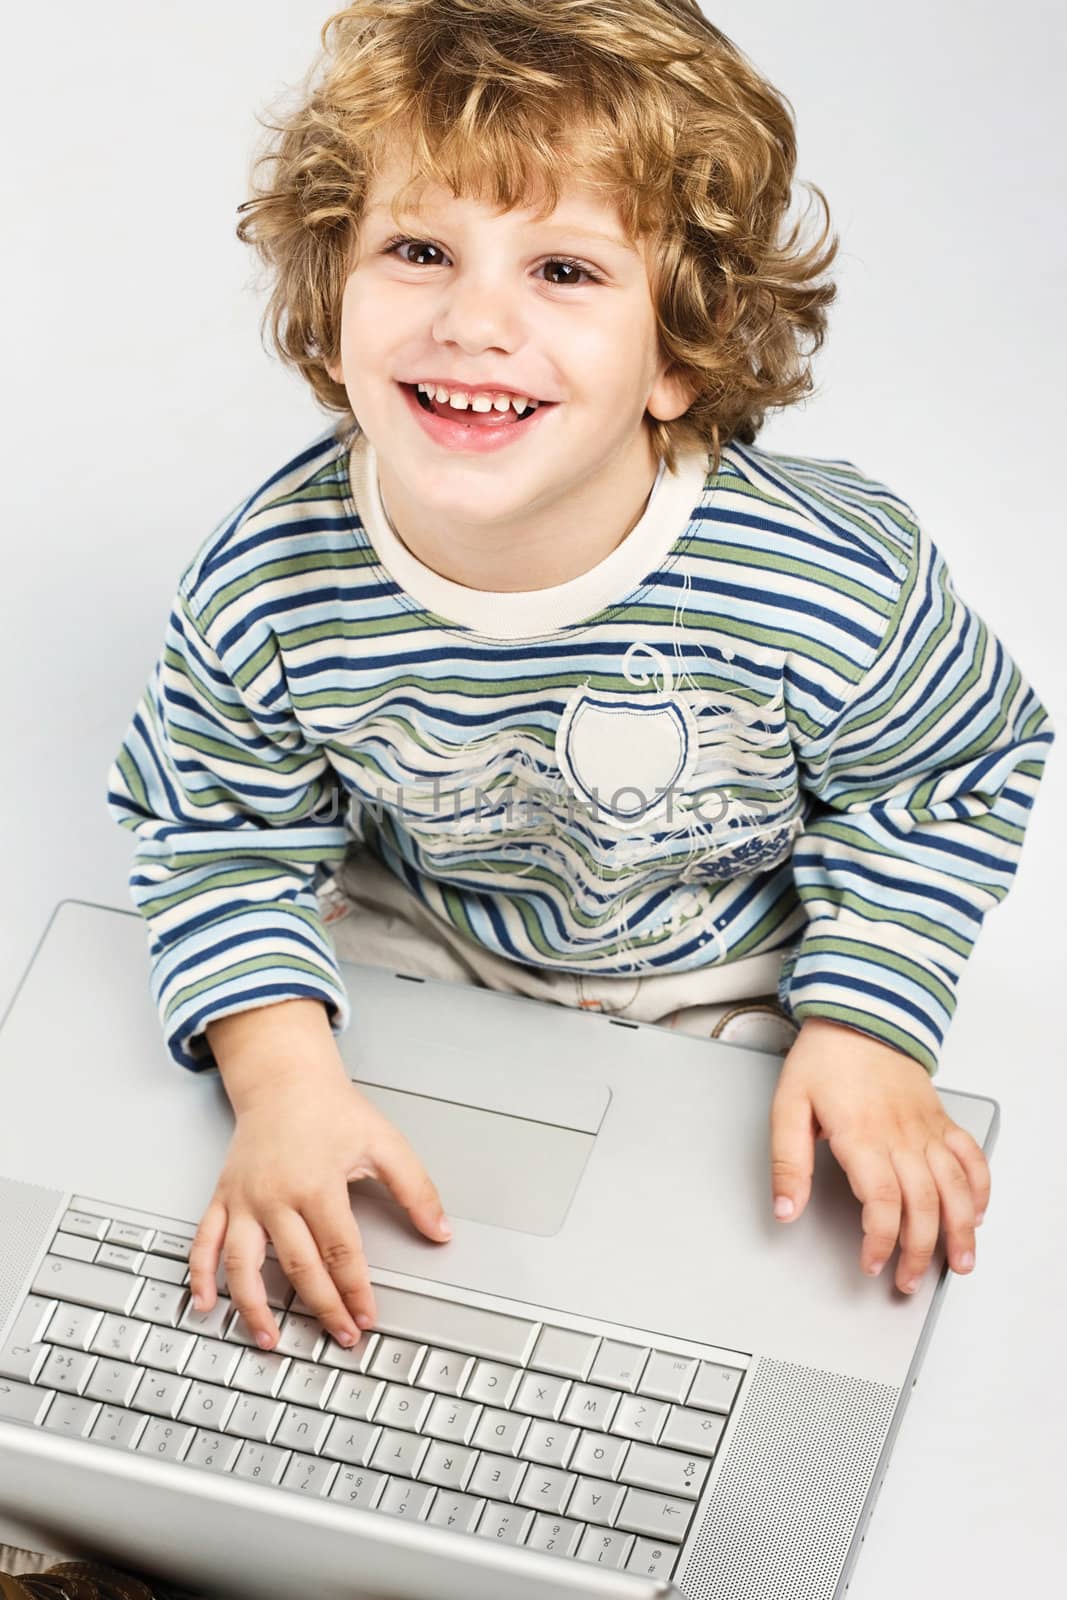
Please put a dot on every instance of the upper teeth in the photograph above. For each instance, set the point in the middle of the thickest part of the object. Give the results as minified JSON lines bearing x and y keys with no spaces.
{"x":461,"y":399}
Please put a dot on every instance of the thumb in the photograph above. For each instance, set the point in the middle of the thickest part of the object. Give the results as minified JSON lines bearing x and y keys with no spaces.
{"x":792,"y":1152}
{"x":413,"y":1187}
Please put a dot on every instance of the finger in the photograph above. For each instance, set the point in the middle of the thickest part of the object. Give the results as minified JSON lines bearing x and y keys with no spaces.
{"x":971,"y":1157}
{"x":873,"y":1181}
{"x":957,"y":1205}
{"x":298,"y":1253}
{"x":792,"y":1153}
{"x":340,"y":1245}
{"x":403,"y":1172}
{"x":204,"y":1255}
{"x":922,"y":1214}
{"x":243,"y":1254}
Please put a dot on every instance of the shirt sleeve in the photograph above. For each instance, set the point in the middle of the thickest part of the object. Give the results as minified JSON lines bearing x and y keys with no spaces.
{"x":233,"y":811}
{"x":920,"y":789}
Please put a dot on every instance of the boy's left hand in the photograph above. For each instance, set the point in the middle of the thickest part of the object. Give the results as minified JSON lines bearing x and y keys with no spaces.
{"x":910,"y":1166}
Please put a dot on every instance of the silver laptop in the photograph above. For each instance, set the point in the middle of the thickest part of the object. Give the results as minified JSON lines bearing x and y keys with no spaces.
{"x":621,"y":1378}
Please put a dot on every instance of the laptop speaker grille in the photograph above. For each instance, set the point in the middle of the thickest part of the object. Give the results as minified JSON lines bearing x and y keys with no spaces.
{"x":786,"y":1507}
{"x":27,"y":1215}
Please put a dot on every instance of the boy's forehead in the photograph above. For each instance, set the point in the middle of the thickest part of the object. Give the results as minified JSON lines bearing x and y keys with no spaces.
{"x":579,"y":209}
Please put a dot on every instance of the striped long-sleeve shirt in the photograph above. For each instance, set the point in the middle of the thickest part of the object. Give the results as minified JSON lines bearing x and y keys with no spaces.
{"x":766,"y":721}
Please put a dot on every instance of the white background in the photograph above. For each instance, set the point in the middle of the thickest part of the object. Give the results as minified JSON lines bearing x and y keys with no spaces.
{"x":139,"y":407}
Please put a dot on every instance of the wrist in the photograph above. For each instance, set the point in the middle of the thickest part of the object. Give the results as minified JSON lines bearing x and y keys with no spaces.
{"x":264,"y":1048}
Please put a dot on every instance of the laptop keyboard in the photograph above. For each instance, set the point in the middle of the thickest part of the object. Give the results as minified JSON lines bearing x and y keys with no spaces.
{"x":527,"y":1430}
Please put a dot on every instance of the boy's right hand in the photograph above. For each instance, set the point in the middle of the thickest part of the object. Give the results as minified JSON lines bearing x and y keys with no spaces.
{"x":293,"y":1153}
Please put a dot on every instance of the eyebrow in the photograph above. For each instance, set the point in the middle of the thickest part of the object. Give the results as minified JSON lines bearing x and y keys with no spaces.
{"x":574,"y":229}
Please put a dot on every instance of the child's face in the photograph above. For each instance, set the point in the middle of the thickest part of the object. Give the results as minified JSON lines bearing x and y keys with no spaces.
{"x":489,"y":303}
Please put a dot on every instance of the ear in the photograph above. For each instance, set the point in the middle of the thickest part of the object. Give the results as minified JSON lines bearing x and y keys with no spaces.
{"x":670,"y":396}
{"x":336,"y":371}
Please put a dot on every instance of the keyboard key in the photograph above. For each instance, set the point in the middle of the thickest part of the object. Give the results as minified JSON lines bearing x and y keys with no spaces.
{"x":655,"y":1515}
{"x":638,"y":1418}
{"x":564,"y":1352}
{"x":354,"y":1396}
{"x":411,"y":1500}
{"x":260,"y":1461}
{"x":454,"y":1420}
{"x":504,"y":1523}
{"x":715,"y":1387}
{"x":594,"y":1500}
{"x":177,"y":1245}
{"x":599,"y":1455}
{"x":309,"y":1475}
{"x":113,"y":1381}
{"x":399,"y":1454}
{"x":492,"y":1383}
{"x":652,"y":1558}
{"x":558,"y":1535}
{"x":209,"y":1323}
{"x":87,"y":1284}
{"x":22,"y":1402}
{"x":667,"y":1377}
{"x":396,"y":1359}
{"x":448,"y":1465}
{"x":498,"y":1477}
{"x":668,"y":1471}
{"x":164,"y":1268}
{"x":160,"y":1302}
{"x":119,"y":1256}
{"x":604,"y":1548}
{"x":260,"y":1372}
{"x":215,"y":1451}
{"x":550,"y":1443}
{"x":167,"y":1441}
{"x":166,"y":1349}
{"x":130,"y":1233}
{"x":83,"y":1222}
{"x":75,"y":1246}
{"x":501,"y":1431}
{"x":254,"y":1418}
{"x":207,"y":1405}
{"x":357,"y":1487}
{"x":121,"y":1337}
{"x":306,"y":1382}
{"x":68,"y":1370}
{"x":212,"y":1359}
{"x":459,"y":1511}
{"x":456,"y":1326}
{"x":590,"y":1407}
{"x":119,"y":1428}
{"x":73,"y":1326}
{"x":686,"y":1429}
{"x":23,"y":1361}
{"x":445,"y":1371}
{"x":302,"y":1337}
{"x":352,"y":1442}
{"x":403,"y":1407}
{"x":546,"y":1489}
{"x":71,"y":1414}
{"x":617,"y":1365}
{"x":162,"y":1393}
{"x":541,"y":1396}
{"x":303,"y":1429}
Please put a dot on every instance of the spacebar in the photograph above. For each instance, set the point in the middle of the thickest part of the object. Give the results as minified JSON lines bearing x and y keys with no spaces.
{"x":457,"y":1327}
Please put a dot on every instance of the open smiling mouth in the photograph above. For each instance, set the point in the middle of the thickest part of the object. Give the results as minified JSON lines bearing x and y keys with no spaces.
{"x":469,"y":418}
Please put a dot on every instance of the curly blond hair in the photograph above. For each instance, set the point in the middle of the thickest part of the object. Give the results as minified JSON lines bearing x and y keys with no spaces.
{"x":503,"y":100}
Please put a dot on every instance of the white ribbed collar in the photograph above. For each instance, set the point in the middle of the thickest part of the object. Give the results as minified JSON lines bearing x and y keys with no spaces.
{"x":528,"y":613}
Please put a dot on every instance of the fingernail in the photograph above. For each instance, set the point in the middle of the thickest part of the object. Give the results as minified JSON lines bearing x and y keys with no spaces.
{"x":444,"y":1227}
{"x":345,"y":1338}
{"x":979,"y":1219}
{"x":198,"y":1302}
{"x":363,"y":1321}
{"x":263,"y":1340}
{"x":910,"y":1287}
{"x":783,"y":1207}
{"x":966,"y":1261}
{"x":875,"y":1268}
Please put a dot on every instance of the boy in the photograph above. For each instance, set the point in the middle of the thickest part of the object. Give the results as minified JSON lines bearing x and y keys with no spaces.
{"x":760,"y":749}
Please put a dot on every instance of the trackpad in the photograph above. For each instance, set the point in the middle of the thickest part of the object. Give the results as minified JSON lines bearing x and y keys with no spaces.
{"x":490,"y":1166}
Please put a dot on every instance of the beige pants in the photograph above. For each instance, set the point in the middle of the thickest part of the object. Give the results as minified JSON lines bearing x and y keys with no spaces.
{"x":374,"y":919}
